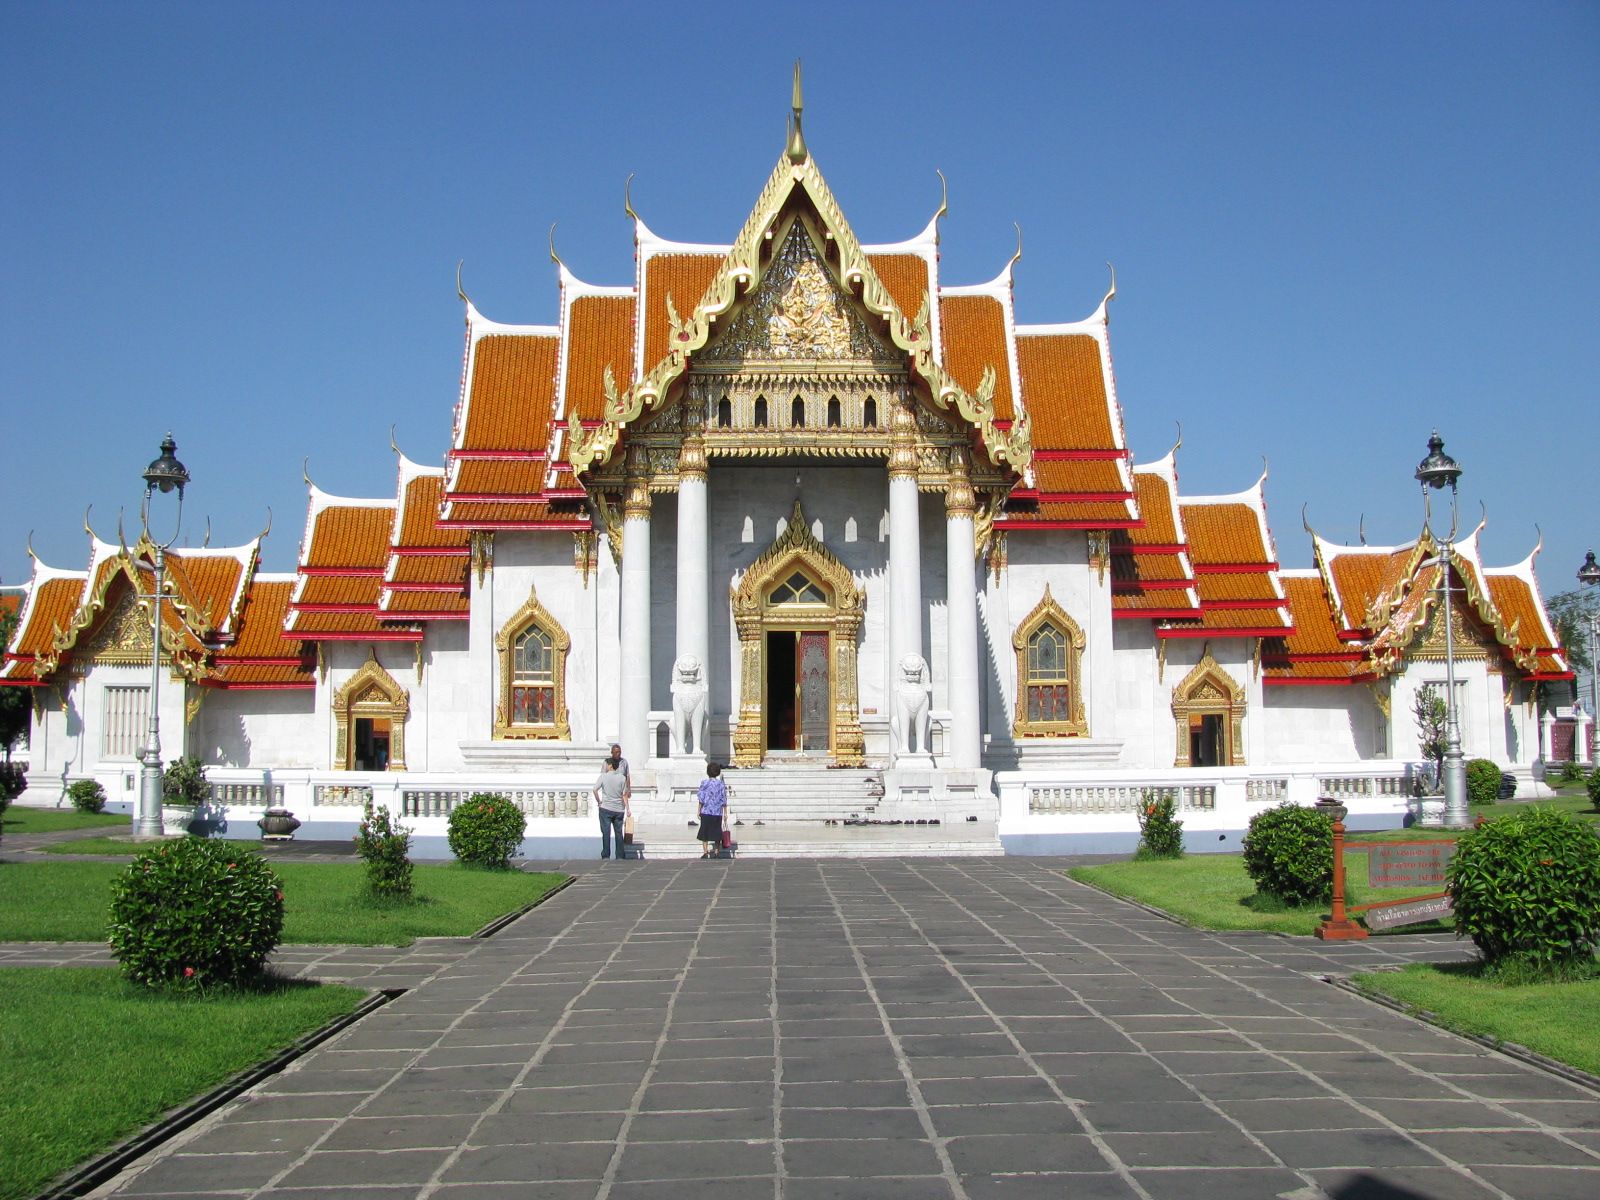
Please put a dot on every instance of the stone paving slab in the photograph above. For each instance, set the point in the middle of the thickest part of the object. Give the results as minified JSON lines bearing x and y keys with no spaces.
{"x":919,"y":1028}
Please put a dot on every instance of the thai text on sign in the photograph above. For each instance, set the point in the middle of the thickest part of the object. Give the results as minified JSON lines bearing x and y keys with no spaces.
{"x":1429,"y":908}
{"x":1408,"y":864}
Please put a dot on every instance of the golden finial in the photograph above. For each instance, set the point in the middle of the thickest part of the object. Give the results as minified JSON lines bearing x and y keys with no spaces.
{"x":31,"y":554}
{"x":554,"y":257}
{"x":268,"y":529}
{"x":305,"y":471}
{"x":627,"y":198}
{"x":1264,"y":471}
{"x":392,"y":444}
{"x":1017,"y":257}
{"x":86,"y":526}
{"x":460,"y":295}
{"x":944,"y":195}
{"x":206,"y":543}
{"x":1112,"y":293}
{"x":1361,"y":529}
{"x":797,"y":139}
{"x":122,"y":538}
{"x":1539,"y":545}
{"x":1304,"y":523}
{"x":1177,"y":445}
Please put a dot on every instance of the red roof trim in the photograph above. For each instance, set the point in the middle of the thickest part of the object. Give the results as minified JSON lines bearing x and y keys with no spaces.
{"x":1282,"y":660}
{"x":352,"y":572}
{"x":1081,"y":497}
{"x":1130,"y":551}
{"x":1202,"y":632}
{"x":331,"y":608}
{"x":1354,"y":635}
{"x":259,"y":662}
{"x":571,"y":526}
{"x":431,"y":552}
{"x":382,"y":635}
{"x":1022,"y":523}
{"x":1154,"y":613}
{"x":572,"y":493}
{"x":221,"y":686}
{"x":390,"y":615}
{"x":1135,"y":588}
{"x":1234,"y":568}
{"x":425,"y":587}
{"x":1220,"y":605}
{"x":24,"y":683}
{"x":1550,"y":675}
{"x":500,"y":455}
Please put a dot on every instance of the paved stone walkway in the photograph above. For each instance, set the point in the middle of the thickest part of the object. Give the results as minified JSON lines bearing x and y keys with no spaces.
{"x":884,"y":1029}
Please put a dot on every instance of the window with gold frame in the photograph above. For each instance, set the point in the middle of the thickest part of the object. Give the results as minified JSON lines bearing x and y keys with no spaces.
{"x":1049,"y":646}
{"x":532,"y":649}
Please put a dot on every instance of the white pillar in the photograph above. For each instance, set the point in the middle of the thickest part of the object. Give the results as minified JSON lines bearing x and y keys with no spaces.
{"x":694,"y":605}
{"x":905,"y":553}
{"x":1547,"y":744}
{"x":634,"y":702}
{"x":1580,"y":737}
{"x":965,"y":745}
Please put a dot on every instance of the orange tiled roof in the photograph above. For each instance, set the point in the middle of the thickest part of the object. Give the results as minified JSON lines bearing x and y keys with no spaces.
{"x":1361,"y":576}
{"x":351,"y":626}
{"x":599,"y":334}
{"x":350,"y":535}
{"x":525,"y":514}
{"x":1064,"y":391}
{"x":906,"y":277}
{"x":418,"y":523}
{"x":974,"y":334}
{"x":1078,"y":476}
{"x":1138,"y":569}
{"x":499,"y":478}
{"x":339,"y":589}
{"x":399,"y":604}
{"x":426,"y":570}
{"x":1162,"y":601}
{"x":1223,"y":534}
{"x":1158,"y":511}
{"x":1070,"y":514}
{"x":685,"y":277}
{"x":54,"y":603}
{"x":262,"y":657}
{"x":1520,"y":609}
{"x":513,"y":392}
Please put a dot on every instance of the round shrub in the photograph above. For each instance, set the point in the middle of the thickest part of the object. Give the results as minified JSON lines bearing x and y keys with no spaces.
{"x":1594,"y":789}
{"x":1483,"y":781}
{"x":86,"y":795}
{"x":192,"y":914}
{"x":1160,"y":833}
{"x":486,"y":830}
{"x":385,"y":847}
{"x":1526,"y":890}
{"x":1288,"y":852}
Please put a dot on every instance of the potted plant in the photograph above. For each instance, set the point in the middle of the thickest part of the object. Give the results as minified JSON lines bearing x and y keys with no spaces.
{"x":185,"y":796}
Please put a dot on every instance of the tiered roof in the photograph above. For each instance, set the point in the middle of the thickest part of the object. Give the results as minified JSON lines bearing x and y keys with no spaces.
{"x":339,"y":581}
{"x":1235,"y":568}
{"x":1152,"y":573}
{"x":425,"y":576}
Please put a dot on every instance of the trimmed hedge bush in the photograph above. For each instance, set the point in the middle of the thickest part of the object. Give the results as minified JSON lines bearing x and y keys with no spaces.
{"x":1526,"y":889}
{"x":1594,"y":789}
{"x":486,"y":830}
{"x":386,"y":848}
{"x":1288,"y":852}
{"x":192,"y":914}
{"x":1483,"y":781}
{"x":1160,"y":833}
{"x":86,"y":795}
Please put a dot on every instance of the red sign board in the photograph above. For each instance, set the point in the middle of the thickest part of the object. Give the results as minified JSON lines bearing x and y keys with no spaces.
{"x":1408,"y":864}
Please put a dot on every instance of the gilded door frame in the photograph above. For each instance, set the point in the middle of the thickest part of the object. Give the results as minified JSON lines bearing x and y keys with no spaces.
{"x":753,"y":616}
{"x":1209,"y":689}
{"x":371,"y":692}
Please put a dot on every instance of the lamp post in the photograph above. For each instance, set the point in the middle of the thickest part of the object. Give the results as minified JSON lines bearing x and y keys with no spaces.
{"x":163,"y":475}
{"x":1589,"y":574}
{"x":1437,"y":471}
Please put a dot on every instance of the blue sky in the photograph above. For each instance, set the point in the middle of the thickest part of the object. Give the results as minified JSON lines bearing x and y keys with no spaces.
{"x":1334,"y":227}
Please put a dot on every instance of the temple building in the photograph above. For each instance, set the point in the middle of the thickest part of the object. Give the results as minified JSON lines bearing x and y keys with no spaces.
{"x":803,"y":506}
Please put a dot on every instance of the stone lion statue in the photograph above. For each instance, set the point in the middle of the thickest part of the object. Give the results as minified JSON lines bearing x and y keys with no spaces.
{"x":688,"y":706}
{"x":909,"y":724}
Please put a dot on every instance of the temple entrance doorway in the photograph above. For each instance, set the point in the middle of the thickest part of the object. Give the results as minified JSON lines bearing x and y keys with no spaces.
{"x":798,"y":693}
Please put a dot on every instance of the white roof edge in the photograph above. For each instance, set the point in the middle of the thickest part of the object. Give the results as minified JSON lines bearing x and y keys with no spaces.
{"x":572,"y":288}
{"x":651,"y":244}
{"x":924,"y":243}
{"x":1300,"y":573}
{"x":276,"y":576}
{"x":1092,"y":326}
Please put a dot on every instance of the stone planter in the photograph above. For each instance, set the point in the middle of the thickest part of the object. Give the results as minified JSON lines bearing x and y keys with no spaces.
{"x":278,"y":824}
{"x":1430,"y":812}
{"x":175,"y":819}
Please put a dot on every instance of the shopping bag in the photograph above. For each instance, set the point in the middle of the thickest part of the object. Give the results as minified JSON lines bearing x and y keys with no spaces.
{"x":727,"y":839}
{"x":627,"y":830}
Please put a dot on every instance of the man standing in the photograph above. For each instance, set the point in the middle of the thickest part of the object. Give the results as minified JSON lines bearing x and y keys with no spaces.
{"x":612,"y":793}
{"x":622,"y":763}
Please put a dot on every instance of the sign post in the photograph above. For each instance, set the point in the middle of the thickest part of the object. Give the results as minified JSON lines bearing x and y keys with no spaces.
{"x":1339,"y":928}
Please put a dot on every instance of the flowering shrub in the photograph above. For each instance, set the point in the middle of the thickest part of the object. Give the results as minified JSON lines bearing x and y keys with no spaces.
{"x":486,"y":830}
{"x":86,"y":795}
{"x":1526,"y":890}
{"x":385,"y":847}
{"x":191,"y":914}
{"x":1160,"y":833}
{"x":1289,"y":853}
{"x":1483,"y":781}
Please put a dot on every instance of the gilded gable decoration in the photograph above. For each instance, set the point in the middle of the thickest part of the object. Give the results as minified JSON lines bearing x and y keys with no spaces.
{"x":532,"y":651}
{"x":1049,"y":647}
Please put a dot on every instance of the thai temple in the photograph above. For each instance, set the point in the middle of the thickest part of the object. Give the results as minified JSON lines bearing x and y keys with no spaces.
{"x":805,"y":507}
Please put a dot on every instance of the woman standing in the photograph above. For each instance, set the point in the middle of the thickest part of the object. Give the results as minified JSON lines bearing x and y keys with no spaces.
{"x":713,"y":807}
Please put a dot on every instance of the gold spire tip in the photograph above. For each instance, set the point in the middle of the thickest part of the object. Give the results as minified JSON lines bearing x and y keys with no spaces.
{"x":796,"y":151}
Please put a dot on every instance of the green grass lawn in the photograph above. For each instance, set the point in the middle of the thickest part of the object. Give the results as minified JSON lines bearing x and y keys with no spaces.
{"x":18,"y":819}
{"x":324,"y":902}
{"x":112,"y":846}
{"x":89,"y":1059}
{"x":1554,"y":1019}
{"x":1212,"y":891}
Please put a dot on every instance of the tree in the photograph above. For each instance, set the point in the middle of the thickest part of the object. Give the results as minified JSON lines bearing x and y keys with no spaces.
{"x":1432,"y":717}
{"x":15,"y":705}
{"x":1570,"y":613}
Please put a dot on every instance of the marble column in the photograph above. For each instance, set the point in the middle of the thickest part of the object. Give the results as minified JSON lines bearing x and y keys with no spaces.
{"x":965,"y":744}
{"x":634,"y":701}
{"x":1547,"y":742}
{"x":905,"y":552}
{"x":694,"y":605}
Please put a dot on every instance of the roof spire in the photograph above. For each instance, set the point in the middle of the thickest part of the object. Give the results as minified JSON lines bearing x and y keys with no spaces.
{"x":796,"y":152}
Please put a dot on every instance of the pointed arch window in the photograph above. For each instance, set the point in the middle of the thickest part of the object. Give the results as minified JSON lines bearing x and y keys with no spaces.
{"x":761,"y":412}
{"x":833,"y":412}
{"x":1049,"y":646}
{"x":797,"y":413}
{"x":724,"y":413}
{"x":532,"y":648}
{"x":869,"y":413}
